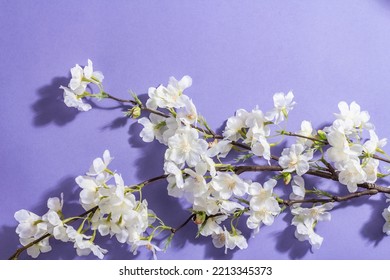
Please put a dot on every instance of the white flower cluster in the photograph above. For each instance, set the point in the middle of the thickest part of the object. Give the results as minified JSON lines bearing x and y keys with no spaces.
{"x":191,"y":168}
{"x":116,"y":212}
{"x":352,"y":157}
{"x":76,"y":90}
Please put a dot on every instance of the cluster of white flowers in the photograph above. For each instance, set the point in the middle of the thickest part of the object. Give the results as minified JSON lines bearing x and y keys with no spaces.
{"x":116,"y":212}
{"x":216,"y":193}
{"x":77,"y":86}
{"x":352,"y":157}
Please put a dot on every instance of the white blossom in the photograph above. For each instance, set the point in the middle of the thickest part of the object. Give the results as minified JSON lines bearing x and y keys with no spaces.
{"x":175,"y":173}
{"x":283,"y":104}
{"x":171,"y":96}
{"x":351,"y":174}
{"x":99,"y":165}
{"x":150,"y":246}
{"x":71,"y":99}
{"x":30,"y":224}
{"x":219,"y":148}
{"x":306,"y":130}
{"x":374,"y":144}
{"x":305,"y":220}
{"x":293,"y":159}
{"x":89,"y":196}
{"x":89,"y":74}
{"x":211,"y":225}
{"x":153,"y":128}
{"x":34,"y":251}
{"x":224,"y":238}
{"x":188,"y":113}
{"x":263,"y":206}
{"x":370,"y":167}
{"x":82,"y":77}
{"x":234,"y":125}
{"x":298,"y":190}
{"x":186,"y":147}
{"x":195,"y":185}
{"x":228,"y":184}
{"x":340,"y":150}
{"x":353,"y":114}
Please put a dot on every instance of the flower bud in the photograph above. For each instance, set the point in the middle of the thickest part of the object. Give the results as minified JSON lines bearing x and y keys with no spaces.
{"x":134,"y":112}
{"x":286,"y":178}
{"x":200,"y":218}
{"x":322,"y":134}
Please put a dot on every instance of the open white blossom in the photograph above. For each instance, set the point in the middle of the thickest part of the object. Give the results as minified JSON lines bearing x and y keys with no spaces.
{"x":234,"y":125}
{"x":186,"y":147}
{"x":153,"y":128}
{"x":172,"y":169}
{"x":99,"y":165}
{"x":188,"y":113}
{"x":211,"y":225}
{"x":263,"y":206}
{"x":171,"y":96}
{"x":30,"y":224}
{"x":371,"y":146}
{"x":352,"y":114}
{"x":283,"y":105}
{"x":306,"y":130}
{"x":82,"y":77}
{"x":34,"y":251}
{"x":370,"y":167}
{"x":298,"y":190}
{"x":89,"y":74}
{"x":229,"y":184}
{"x":340,"y":150}
{"x":89,"y":196}
{"x":224,"y":238}
{"x":150,"y":246}
{"x":351,"y":175}
{"x":293,"y":159}
{"x":71,"y":99}
{"x":305,"y":220}
{"x":219,"y":148}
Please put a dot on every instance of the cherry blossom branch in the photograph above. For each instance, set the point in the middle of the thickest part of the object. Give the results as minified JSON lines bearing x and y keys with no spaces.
{"x":47,"y":235}
{"x":259,"y":168}
{"x":92,"y":210}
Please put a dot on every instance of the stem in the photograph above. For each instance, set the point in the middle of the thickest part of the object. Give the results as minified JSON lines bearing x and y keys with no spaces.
{"x":332,"y":199}
{"x":303,"y":136}
{"x":381,"y":158}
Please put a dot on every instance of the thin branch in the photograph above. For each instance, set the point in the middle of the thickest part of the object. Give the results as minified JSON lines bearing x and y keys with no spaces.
{"x":303,"y":136}
{"x":381,"y":158}
{"x":174,"y":230}
{"x":332,"y":199}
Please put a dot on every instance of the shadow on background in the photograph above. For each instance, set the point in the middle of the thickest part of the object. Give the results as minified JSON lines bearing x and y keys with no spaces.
{"x":50,"y":107}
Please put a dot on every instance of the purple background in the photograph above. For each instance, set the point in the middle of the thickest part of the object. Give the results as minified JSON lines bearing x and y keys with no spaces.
{"x":238,"y":53}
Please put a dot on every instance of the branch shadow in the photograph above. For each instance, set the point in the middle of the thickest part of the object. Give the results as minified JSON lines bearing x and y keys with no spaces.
{"x":50,"y":108}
